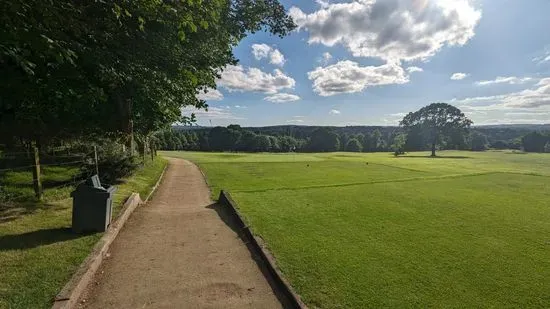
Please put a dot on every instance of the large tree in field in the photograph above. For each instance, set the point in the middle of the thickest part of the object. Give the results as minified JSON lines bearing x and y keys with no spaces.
{"x":436,"y":122}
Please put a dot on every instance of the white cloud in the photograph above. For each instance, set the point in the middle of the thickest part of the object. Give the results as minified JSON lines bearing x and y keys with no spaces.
{"x":277,"y":58}
{"x":544,"y":58}
{"x":211,"y":95}
{"x":282,"y":98}
{"x":322,"y":3}
{"x":537,"y":97}
{"x":334,"y":112}
{"x":512,"y":80}
{"x":212,"y":113}
{"x":241,"y":106}
{"x":348,"y":77}
{"x":325,"y":58}
{"x":459,"y":76}
{"x":393,"y":30}
{"x":261,"y":51}
{"x":237,"y":78}
{"x":296,"y":120}
{"x":414,"y":69}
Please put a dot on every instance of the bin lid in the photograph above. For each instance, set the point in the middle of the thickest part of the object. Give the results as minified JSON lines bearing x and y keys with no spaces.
{"x":94,"y":182}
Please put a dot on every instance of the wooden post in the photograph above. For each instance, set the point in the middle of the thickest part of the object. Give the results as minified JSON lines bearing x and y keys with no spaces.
{"x":151,"y":149}
{"x":96,"y":161}
{"x":37,"y":184}
{"x":132,"y":141}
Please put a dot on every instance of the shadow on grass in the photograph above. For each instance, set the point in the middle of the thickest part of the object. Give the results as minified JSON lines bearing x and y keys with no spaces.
{"x":436,"y":157}
{"x":13,"y":211}
{"x":37,"y":238}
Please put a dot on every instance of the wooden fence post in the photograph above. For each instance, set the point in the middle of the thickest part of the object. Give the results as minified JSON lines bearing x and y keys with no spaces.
{"x":96,"y":161}
{"x":37,"y":183}
{"x":144,"y":149}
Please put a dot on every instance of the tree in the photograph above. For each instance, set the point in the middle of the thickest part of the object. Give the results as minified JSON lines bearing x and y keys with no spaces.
{"x":354,"y":145}
{"x":78,"y":67}
{"x":500,"y":145}
{"x":534,"y":142}
{"x":398,"y":145}
{"x":547,"y":148}
{"x":223,"y":139}
{"x":247,"y":140}
{"x":288,"y":143}
{"x":416,"y":141}
{"x":262,"y":143}
{"x":436,"y":121}
{"x":274,"y":142}
{"x":375,"y":140}
{"x":323,"y":140}
{"x":478,"y":141}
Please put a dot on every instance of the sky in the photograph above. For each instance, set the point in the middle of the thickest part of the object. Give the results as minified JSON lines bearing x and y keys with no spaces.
{"x":370,"y":62}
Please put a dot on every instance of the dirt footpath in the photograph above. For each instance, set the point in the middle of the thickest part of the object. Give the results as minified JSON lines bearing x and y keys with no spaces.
{"x":178,"y":252}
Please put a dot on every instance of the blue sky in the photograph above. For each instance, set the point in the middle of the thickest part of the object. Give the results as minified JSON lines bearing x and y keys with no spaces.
{"x":368,"y":62}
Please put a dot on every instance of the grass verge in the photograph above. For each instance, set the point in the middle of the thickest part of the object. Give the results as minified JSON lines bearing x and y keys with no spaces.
{"x":38,"y":251}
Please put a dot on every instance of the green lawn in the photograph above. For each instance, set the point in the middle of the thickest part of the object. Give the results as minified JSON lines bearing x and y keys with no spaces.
{"x":39,"y":253}
{"x":465,"y":230}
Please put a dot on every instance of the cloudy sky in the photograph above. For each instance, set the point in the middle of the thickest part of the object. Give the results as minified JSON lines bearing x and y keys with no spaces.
{"x":369,"y":62}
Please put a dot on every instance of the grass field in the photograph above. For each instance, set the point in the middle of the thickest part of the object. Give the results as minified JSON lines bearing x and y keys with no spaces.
{"x":39,"y":253}
{"x":465,"y":230}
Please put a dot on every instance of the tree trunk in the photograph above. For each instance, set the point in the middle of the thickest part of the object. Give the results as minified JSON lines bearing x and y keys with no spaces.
{"x":433,"y":149}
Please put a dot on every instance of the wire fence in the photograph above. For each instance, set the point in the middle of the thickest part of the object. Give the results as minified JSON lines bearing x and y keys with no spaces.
{"x":30,"y":176}
{"x":58,"y":175}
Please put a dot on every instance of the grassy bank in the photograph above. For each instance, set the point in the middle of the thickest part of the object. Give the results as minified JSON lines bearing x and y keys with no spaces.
{"x":39,"y":253}
{"x":465,"y":230}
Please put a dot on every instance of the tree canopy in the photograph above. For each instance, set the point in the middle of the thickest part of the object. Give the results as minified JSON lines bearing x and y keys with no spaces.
{"x":74,"y":67}
{"x":436,"y":122}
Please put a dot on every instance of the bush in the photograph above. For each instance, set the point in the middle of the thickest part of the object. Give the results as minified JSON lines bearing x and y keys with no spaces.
{"x":113,"y":163}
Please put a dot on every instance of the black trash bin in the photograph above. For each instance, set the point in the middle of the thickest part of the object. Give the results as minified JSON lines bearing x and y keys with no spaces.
{"x":92,"y":206}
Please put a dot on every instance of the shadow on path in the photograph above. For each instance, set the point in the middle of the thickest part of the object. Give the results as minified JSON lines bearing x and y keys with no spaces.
{"x":226,"y":216}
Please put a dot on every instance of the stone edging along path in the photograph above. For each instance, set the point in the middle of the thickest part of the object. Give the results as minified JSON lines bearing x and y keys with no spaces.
{"x":260,"y":250}
{"x":71,"y":292}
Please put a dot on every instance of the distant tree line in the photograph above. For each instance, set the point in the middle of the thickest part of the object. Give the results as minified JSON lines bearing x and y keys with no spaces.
{"x":349,"y":139}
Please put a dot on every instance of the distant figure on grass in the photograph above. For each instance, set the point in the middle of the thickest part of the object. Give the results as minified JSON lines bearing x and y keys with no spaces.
{"x":437,"y":122}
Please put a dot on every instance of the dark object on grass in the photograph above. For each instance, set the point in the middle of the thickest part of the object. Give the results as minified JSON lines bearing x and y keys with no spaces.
{"x":92,"y":206}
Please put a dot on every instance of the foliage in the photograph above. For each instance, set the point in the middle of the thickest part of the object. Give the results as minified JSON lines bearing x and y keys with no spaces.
{"x":399,"y":143}
{"x":323,"y":140}
{"x":535,"y":141}
{"x":547,"y":148}
{"x":478,"y":141}
{"x":436,"y":122}
{"x":117,"y":66}
{"x":353,"y":145}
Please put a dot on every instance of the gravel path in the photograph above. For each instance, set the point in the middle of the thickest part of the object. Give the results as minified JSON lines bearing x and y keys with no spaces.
{"x":178,"y":252}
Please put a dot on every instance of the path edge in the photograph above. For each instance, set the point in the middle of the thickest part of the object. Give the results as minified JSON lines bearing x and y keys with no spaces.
{"x":258,"y":248}
{"x":157,"y":184}
{"x":70,"y":294}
